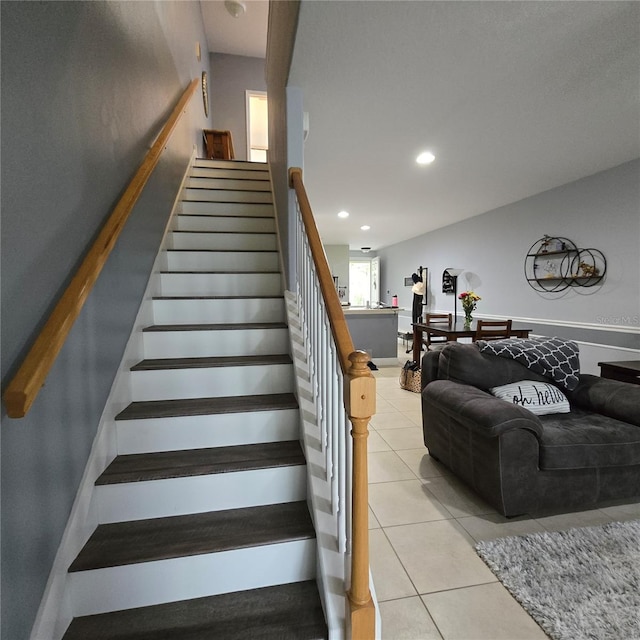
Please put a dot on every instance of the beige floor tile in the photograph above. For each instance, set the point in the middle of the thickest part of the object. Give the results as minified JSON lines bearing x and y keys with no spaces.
{"x":564,"y":521}
{"x":484,"y":612}
{"x":623,"y":512}
{"x":438,"y":555}
{"x":421,"y":463}
{"x":384,"y":406}
{"x":407,"y":402}
{"x":407,"y":619}
{"x":397,"y":393}
{"x":490,"y":526}
{"x":414,"y":416}
{"x":373,"y":521}
{"x":459,"y":499}
{"x":389,"y":577}
{"x":375,"y":442}
{"x":385,"y":372}
{"x":387,"y":466}
{"x":399,"y":439}
{"x":391,"y":420}
{"x":404,"y":502}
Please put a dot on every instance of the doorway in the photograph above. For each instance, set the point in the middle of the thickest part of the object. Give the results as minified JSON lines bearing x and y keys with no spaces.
{"x":257,"y":126}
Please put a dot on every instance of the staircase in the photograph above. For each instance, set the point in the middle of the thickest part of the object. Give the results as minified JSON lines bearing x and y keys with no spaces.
{"x":204,"y":526}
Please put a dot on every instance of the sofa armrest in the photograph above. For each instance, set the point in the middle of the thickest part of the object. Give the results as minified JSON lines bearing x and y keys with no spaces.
{"x":477,"y":409}
{"x":429,"y":367}
{"x":612,"y":398}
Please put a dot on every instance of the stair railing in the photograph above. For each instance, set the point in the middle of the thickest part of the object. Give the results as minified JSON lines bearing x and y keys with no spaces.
{"x":27,"y":382}
{"x":344,"y":387}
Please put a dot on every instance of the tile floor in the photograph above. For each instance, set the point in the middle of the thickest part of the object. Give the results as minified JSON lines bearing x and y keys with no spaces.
{"x":423,"y":522}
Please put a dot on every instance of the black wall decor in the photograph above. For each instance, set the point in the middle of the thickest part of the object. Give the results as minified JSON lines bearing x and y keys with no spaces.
{"x":554,"y":263}
{"x":448,"y":282}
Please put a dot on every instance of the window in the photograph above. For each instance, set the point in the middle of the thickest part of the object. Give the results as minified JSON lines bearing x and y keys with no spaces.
{"x":364,"y":277}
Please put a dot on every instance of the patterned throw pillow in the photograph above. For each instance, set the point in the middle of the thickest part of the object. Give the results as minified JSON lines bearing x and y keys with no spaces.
{"x":538,"y":397}
{"x":555,"y":358}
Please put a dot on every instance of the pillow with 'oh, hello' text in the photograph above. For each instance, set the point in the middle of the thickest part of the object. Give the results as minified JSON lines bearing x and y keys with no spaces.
{"x":538,"y":397}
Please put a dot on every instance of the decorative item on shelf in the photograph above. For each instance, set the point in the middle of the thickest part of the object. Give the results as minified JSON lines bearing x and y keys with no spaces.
{"x":553,"y":264}
{"x":589,"y":270}
{"x":469,"y":300}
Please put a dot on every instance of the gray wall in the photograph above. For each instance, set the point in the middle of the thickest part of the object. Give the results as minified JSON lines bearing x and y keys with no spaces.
{"x":601,"y":211}
{"x":86,"y":87}
{"x":231,"y":76}
{"x":283,"y":22}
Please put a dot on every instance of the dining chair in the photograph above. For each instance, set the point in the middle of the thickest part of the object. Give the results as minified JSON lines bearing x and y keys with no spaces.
{"x":436,"y":318}
{"x":493,"y":329}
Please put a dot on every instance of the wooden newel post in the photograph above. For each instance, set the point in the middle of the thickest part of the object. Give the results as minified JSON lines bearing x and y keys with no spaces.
{"x":360,"y":395}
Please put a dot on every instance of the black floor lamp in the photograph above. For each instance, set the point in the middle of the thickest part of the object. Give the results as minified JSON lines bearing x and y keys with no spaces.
{"x":453,"y":275}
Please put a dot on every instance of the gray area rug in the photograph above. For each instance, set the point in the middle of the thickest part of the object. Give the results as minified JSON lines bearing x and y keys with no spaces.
{"x":577,"y":584}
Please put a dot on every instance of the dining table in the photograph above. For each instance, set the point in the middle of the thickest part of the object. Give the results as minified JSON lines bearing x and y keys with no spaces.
{"x":457,"y":329}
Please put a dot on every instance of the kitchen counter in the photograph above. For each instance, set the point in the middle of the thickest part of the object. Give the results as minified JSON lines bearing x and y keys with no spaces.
{"x":365,"y":310}
{"x":374,"y":331}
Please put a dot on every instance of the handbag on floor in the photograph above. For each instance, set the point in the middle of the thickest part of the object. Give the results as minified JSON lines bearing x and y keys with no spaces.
{"x":410,"y":378}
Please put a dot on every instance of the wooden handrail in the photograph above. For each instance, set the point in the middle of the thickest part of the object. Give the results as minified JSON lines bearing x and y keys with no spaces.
{"x":25,"y":385}
{"x":360,"y":404}
{"x":339,"y":328}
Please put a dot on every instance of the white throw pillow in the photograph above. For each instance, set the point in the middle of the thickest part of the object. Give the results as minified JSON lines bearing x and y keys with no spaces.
{"x":538,"y":397}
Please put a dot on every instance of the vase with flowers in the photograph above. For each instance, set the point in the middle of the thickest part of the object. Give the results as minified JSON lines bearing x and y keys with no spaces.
{"x":469,"y":300}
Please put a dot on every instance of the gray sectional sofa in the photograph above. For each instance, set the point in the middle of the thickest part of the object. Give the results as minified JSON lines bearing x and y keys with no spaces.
{"x":520,"y":462}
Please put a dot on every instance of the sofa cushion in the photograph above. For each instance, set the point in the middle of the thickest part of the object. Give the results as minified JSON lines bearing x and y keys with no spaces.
{"x":538,"y":397}
{"x":464,"y":363}
{"x":582,"y":439}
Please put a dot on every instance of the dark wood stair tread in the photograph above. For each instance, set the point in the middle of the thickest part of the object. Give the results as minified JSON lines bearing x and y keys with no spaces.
{"x":283,"y":612}
{"x":239,"y":326}
{"x":207,"y":406}
{"x":221,"y":250}
{"x":279,"y":296}
{"x":155,"y":364}
{"x":221,"y":272}
{"x":124,"y":543}
{"x":141,"y":467}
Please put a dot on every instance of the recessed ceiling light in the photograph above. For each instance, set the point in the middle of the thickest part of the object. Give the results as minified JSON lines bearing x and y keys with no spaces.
{"x":365,"y":227}
{"x":426,"y":157}
{"x":343,"y":214}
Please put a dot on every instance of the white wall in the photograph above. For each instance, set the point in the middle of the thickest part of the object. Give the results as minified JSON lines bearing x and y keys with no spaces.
{"x":600,"y":211}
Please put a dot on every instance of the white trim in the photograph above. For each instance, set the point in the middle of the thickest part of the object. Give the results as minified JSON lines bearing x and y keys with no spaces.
{"x":565,"y":323}
{"x":54,"y":614}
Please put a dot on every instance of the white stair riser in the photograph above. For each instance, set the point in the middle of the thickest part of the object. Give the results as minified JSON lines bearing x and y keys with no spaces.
{"x":199,"y":494}
{"x":224,"y":241}
{"x":199,"y":432}
{"x":224,"y":208}
{"x":225,"y":223}
{"x":194,"y":311}
{"x":234,"y":174}
{"x":193,"y":344}
{"x":227,"y":195}
{"x":220,"y":284}
{"x":221,"y":261}
{"x":139,"y":585}
{"x":228,"y":184}
{"x":172,"y":384}
{"x":231,"y":164}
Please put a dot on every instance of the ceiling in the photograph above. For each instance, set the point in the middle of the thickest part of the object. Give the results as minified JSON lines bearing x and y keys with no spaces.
{"x":245,"y":35}
{"x":513,"y":98}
